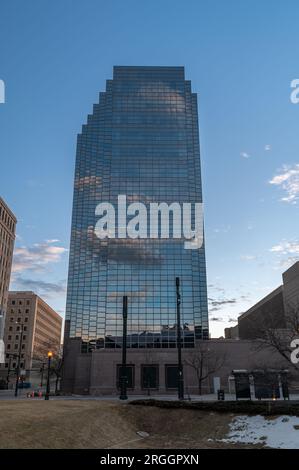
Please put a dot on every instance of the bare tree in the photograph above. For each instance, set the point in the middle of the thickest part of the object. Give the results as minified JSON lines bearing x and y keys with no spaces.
{"x":40,"y":357}
{"x":40,"y":352}
{"x":204,"y":362}
{"x":268,"y":371}
{"x":56,"y":367}
{"x":268,"y":335}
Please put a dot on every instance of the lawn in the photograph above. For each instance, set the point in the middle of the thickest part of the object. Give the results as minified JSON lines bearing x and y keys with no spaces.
{"x":108,"y":424}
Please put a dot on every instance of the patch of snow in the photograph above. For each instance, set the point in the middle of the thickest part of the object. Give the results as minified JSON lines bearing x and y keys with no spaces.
{"x":279,"y":433}
{"x":142,"y":433}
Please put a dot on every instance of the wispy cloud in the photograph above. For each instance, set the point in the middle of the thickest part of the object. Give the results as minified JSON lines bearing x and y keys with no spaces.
{"x":286,"y":248}
{"x":222,"y":319}
{"x":288,"y":262}
{"x":217,"y":304}
{"x":267,"y":147}
{"x":40,"y":287}
{"x":224,"y":229}
{"x":288,"y":180}
{"x":248,"y":257}
{"x":244,"y":155}
{"x":287,"y":252}
{"x":37,"y":256}
{"x":216,"y":288}
{"x":220,"y":299}
{"x":31,"y":183}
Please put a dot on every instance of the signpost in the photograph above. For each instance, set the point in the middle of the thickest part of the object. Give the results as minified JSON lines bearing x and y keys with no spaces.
{"x":123,"y":369}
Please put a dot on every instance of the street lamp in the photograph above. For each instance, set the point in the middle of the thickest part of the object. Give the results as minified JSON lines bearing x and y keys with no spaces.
{"x":9,"y":369}
{"x":42,"y":375}
{"x":179,"y":343}
{"x":19,"y":359}
{"x":123,"y":369}
{"x":50,"y":355}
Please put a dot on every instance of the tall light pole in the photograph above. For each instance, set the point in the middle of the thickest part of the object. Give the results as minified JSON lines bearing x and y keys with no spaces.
{"x":50,"y":355}
{"x":8,"y":370}
{"x":123,"y":370}
{"x":19,"y":360}
{"x":42,"y":375}
{"x":179,"y":344}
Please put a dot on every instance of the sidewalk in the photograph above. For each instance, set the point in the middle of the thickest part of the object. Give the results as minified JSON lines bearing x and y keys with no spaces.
{"x":9,"y":395}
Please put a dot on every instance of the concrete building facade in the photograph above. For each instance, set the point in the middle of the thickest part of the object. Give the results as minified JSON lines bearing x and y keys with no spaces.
{"x":268,"y":311}
{"x":232,"y":332}
{"x":155,"y":372}
{"x":32,"y":328}
{"x":271,"y":311}
{"x":7,"y":238}
{"x":291,"y":288}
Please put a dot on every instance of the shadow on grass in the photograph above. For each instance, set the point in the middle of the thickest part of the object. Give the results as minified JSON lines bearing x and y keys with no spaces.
{"x":265,"y":408}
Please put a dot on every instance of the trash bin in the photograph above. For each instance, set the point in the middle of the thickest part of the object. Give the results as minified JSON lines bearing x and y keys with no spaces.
{"x":220,"y":394}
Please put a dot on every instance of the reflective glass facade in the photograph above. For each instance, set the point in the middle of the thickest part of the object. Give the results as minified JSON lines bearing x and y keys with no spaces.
{"x":140,"y":141}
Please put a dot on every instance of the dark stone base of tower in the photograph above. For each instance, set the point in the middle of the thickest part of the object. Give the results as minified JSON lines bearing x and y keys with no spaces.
{"x":154,"y":371}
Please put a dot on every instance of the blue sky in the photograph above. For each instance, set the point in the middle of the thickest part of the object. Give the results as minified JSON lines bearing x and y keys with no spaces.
{"x":241,"y":58}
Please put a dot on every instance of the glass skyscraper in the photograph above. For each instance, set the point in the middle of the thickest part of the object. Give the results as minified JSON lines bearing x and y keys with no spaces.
{"x":142,"y":141}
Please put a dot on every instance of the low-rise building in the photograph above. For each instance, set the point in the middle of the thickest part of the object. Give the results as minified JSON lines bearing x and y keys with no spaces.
{"x":32,"y":328}
{"x":268,"y":311}
{"x":232,"y":332}
{"x":273,"y":311}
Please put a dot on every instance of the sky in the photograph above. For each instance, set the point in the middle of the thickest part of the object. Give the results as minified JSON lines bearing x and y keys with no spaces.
{"x":241,"y":58}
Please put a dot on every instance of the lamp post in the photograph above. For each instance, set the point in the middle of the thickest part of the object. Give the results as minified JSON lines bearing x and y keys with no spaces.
{"x":50,"y":355}
{"x":42,"y":375}
{"x":19,"y":360}
{"x":179,"y":344}
{"x":8,"y":371}
{"x":123,"y":370}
